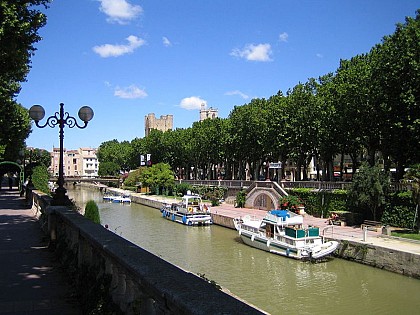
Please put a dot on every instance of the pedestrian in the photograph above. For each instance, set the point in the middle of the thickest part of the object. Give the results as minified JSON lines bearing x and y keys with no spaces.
{"x":10,"y":182}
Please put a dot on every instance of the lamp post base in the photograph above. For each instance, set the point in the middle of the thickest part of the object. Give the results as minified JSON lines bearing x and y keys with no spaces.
{"x":60,"y":198}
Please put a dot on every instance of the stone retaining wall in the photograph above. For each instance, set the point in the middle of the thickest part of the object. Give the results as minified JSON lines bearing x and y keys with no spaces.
{"x":380,"y":257}
{"x":137,"y":281}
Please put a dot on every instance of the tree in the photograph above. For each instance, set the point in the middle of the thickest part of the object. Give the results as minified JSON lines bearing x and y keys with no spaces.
{"x":134,"y":177}
{"x":369,"y":188}
{"x":116,"y":152}
{"x":397,"y":73}
{"x":14,"y":129}
{"x":412,"y":178}
{"x":108,"y":169}
{"x":19,"y":25}
{"x":158,"y":177}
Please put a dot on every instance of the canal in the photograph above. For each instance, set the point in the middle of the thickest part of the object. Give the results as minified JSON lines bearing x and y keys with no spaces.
{"x":275,"y":284}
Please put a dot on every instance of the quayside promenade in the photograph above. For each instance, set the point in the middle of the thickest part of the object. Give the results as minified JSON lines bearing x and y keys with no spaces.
{"x":31,"y":281}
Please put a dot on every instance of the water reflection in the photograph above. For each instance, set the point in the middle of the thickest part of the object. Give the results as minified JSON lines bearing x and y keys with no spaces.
{"x":276,"y":284}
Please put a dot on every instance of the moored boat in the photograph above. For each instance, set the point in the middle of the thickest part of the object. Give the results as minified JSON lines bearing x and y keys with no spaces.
{"x":122,"y":199}
{"x":281,"y":232}
{"x":190,"y":211}
{"x":108,"y":197}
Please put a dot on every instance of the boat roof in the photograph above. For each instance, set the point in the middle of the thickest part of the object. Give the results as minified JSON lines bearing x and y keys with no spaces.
{"x":283,"y":217}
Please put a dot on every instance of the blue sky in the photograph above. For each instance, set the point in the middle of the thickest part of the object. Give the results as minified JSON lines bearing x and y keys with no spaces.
{"x":129,"y":58}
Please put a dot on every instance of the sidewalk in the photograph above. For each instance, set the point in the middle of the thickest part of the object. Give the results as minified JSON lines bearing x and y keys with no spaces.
{"x":31,"y":282}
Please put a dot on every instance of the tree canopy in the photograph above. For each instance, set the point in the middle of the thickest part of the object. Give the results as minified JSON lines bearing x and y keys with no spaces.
{"x":20,"y":22}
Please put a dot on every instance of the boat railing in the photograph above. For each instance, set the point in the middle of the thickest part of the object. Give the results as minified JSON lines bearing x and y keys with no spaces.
{"x":325,"y":229}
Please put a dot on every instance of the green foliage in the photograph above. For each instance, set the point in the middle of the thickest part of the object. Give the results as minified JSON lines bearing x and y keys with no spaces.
{"x":20,"y":23}
{"x":368,"y":190}
{"x":14,"y":129}
{"x":210,"y":192}
{"x":108,"y":169}
{"x":241,"y":198}
{"x":157,"y":177}
{"x":92,"y":211}
{"x":40,"y":177}
{"x":115,"y":153}
{"x":134,"y":177}
{"x":182,"y":188}
{"x":290,"y":202}
{"x":400,"y":210}
{"x":321,"y":203}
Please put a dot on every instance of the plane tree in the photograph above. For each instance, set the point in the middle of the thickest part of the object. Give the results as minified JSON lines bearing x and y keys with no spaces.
{"x":303,"y":124}
{"x":397,"y":79}
{"x":20,"y":22}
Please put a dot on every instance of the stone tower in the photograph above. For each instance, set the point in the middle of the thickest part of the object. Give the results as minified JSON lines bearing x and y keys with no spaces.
{"x":164,"y":123}
{"x":208,"y":113}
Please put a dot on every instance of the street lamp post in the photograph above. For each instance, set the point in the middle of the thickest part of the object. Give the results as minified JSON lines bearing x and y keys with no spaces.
{"x":61,"y":119}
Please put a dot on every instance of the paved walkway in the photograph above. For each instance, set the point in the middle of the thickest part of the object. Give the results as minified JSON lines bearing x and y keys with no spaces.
{"x":31,"y":282}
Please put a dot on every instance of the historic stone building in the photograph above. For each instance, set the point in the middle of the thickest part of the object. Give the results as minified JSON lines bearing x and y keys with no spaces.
{"x":164,"y":123}
{"x":208,"y":113}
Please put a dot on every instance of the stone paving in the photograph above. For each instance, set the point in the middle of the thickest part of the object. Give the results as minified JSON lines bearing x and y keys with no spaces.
{"x":31,"y":281}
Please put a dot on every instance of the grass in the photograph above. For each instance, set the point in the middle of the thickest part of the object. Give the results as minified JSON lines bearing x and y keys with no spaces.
{"x":407,"y":234}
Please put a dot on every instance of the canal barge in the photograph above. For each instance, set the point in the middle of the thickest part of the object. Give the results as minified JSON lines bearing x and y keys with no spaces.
{"x":281,"y":232}
{"x":190,"y":211}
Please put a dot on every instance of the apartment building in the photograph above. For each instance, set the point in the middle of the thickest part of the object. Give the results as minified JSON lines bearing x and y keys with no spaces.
{"x":81,"y":162}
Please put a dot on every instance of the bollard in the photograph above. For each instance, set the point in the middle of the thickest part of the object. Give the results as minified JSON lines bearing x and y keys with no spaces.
{"x":364,"y":233}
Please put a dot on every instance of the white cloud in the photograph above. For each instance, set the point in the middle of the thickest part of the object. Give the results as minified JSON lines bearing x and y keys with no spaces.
{"x":319,"y":55}
{"x":283,"y":37}
{"x":193,"y":102}
{"x":236,"y":92}
{"x":260,"y":52}
{"x":130,"y":92}
{"x":109,"y":50}
{"x":166,"y":41}
{"x":120,"y":11}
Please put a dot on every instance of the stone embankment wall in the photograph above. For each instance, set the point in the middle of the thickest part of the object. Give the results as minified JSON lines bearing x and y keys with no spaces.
{"x":384,"y":258}
{"x":137,"y":281}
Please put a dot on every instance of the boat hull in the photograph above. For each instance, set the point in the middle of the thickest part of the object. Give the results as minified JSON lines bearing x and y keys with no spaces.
{"x":272,"y":246}
{"x":187,"y":219}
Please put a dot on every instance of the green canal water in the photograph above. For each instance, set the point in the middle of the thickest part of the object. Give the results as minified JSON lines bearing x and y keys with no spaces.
{"x":275,"y":284}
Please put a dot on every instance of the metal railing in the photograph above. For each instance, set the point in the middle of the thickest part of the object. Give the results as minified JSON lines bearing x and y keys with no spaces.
{"x":320,"y":185}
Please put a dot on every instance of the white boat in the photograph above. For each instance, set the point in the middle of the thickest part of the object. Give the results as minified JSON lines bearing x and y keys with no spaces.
{"x":122,"y":199}
{"x":108,"y":197}
{"x":191,"y":211}
{"x":281,"y":232}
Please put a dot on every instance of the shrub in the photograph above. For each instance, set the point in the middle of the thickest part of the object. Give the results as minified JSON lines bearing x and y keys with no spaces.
{"x":181,"y":189}
{"x":40,"y":179}
{"x":92,"y":211}
{"x":240,"y":198}
{"x":400,"y":210}
{"x":321,"y":203}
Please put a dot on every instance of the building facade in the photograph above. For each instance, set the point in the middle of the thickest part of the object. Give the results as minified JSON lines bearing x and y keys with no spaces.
{"x":81,"y":162}
{"x":164,"y":123}
{"x":206,"y":113}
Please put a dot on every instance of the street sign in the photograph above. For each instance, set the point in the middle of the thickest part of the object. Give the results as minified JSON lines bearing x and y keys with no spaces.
{"x":275,"y":165}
